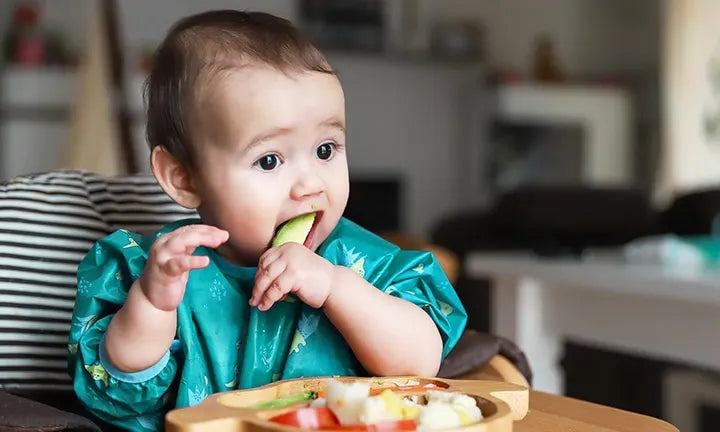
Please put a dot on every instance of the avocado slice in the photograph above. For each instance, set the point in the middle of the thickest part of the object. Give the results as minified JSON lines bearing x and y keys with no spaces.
{"x":295,"y":230}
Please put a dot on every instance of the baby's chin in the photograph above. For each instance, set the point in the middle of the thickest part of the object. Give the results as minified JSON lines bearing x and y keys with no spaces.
{"x":238,"y":256}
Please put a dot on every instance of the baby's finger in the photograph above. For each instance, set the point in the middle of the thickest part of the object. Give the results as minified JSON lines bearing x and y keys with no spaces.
{"x":264,"y":278}
{"x":165,"y":238}
{"x":180,"y":264}
{"x":280,"y":287}
{"x":189,"y":237}
{"x":270,"y":264}
{"x":268,"y":257}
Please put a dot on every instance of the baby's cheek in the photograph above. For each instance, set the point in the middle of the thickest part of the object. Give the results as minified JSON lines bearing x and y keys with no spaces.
{"x":248,"y":244}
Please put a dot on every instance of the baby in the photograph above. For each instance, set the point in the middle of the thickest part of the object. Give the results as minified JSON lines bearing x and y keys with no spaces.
{"x":246,"y":122}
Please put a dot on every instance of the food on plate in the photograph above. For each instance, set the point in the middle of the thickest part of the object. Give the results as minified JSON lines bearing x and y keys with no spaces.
{"x":446,"y":410}
{"x":346,"y":400}
{"x":282,"y":402}
{"x":357,"y":406}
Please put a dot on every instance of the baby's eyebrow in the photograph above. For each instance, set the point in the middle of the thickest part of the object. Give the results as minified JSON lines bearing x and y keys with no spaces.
{"x":334,"y":123}
{"x":266,"y":135}
{"x":258,"y":139}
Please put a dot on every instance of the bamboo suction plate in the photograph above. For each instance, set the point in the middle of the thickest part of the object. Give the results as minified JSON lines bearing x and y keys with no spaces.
{"x":501,"y":404}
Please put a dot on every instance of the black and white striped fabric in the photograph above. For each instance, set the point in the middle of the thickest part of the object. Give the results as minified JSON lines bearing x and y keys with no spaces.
{"x":48,"y":222}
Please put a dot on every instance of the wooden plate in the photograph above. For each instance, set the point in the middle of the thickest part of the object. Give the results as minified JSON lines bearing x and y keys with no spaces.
{"x":501,"y":404}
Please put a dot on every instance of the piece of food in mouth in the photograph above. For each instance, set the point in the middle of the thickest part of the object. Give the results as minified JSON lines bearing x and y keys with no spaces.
{"x":295,"y":230}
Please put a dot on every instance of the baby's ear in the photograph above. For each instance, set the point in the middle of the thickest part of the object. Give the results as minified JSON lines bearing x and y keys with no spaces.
{"x":174,"y":178}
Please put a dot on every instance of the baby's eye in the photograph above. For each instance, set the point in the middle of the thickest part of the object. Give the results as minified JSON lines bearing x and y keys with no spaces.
{"x":268,"y":162}
{"x":325,"y":150}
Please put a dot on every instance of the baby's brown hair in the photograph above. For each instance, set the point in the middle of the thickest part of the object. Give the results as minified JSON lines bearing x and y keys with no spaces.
{"x":200,"y":46}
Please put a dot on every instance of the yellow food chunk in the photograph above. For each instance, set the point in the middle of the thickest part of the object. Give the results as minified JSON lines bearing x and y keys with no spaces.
{"x":464,"y":418}
{"x":393,"y":403}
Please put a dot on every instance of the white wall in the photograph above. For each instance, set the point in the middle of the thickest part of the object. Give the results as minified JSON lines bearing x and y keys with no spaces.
{"x":405,"y":118}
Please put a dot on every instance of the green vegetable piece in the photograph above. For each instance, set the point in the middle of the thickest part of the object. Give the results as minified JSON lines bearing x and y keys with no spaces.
{"x":283,"y":402}
{"x":295,"y":230}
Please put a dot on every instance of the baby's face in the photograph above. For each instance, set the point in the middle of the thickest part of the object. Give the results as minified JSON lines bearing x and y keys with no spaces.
{"x":270,"y":147}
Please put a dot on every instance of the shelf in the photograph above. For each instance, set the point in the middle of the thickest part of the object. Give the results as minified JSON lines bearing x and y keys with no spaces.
{"x":560,"y":104}
{"x":604,"y":114}
{"x":49,"y":88}
{"x":48,"y":94}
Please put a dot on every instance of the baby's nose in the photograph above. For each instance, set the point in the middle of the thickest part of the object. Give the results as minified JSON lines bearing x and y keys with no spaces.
{"x":307,"y":185}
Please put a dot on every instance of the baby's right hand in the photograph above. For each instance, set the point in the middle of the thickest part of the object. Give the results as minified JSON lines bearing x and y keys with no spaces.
{"x":171,"y":259}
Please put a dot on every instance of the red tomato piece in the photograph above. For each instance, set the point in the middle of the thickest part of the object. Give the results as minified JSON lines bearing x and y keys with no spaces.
{"x":308,"y":418}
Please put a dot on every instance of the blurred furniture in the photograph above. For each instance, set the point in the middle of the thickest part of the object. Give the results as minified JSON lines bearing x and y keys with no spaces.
{"x":344,"y":25}
{"x":602,"y":115}
{"x":50,"y":221}
{"x":375,"y":203}
{"x":538,"y":302}
{"x":551,"y":220}
{"x":535,"y":236}
{"x":694,"y":213}
{"x":547,"y":220}
{"x":692,"y":400}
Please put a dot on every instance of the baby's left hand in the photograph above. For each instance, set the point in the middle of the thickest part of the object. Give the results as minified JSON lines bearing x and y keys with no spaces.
{"x":292,"y":269}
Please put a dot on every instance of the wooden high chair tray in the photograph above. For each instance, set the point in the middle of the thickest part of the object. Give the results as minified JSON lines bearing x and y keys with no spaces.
{"x":500,"y":403}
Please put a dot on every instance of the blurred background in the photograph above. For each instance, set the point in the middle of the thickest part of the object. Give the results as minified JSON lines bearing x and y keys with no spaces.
{"x":566,"y":130}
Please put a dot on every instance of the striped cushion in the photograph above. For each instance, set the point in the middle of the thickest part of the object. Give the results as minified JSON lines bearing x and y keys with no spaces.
{"x":47,"y":224}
